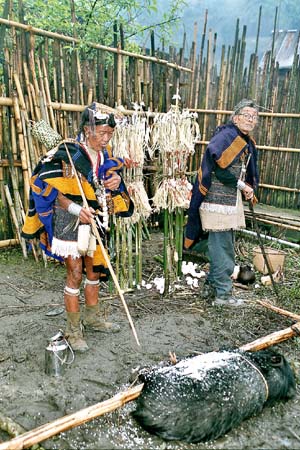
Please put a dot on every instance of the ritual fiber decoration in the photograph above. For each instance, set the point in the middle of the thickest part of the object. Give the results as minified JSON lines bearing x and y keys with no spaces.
{"x":130,"y":142}
{"x":173,"y":137}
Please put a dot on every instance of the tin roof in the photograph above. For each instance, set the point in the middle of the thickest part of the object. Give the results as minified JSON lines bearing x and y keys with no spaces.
{"x":285,"y":45}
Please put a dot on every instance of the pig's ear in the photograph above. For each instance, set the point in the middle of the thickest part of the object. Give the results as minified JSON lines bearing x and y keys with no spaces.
{"x":276,"y":360}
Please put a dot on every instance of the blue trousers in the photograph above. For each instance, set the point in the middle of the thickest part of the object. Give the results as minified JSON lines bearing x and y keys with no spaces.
{"x":222,"y":261}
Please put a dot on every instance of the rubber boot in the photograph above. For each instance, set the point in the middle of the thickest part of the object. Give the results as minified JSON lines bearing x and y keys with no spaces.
{"x":93,"y":320}
{"x":74,"y":332}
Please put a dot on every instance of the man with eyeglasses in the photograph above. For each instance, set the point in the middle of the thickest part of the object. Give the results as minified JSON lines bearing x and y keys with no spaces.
{"x":228,"y":171}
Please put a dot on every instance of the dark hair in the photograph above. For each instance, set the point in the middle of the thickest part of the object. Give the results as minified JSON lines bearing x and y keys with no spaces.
{"x":92,"y":115}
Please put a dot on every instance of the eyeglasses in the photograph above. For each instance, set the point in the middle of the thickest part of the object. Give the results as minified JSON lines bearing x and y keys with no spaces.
{"x":248,"y":116}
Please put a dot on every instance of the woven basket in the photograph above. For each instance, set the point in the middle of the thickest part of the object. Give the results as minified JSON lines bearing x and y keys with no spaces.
{"x":42,"y":131}
{"x":275,"y":257}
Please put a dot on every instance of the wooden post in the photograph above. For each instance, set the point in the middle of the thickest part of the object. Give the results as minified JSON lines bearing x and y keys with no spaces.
{"x":24,"y":158}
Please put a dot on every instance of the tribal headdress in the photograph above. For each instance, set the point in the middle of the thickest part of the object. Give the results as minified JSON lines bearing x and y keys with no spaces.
{"x":98,"y":114}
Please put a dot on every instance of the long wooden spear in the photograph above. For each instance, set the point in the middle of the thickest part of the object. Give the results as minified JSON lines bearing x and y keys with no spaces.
{"x":103,"y":250}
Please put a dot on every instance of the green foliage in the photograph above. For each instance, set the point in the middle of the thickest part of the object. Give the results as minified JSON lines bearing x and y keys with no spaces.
{"x":93,"y":21}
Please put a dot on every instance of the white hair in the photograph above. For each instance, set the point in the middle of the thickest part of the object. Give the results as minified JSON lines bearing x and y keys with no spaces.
{"x":243,"y":104}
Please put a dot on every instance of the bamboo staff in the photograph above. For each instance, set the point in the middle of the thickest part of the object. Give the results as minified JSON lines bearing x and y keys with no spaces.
{"x":103,"y":250}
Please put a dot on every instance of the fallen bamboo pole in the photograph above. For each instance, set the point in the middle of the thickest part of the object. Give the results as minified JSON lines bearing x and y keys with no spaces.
{"x":281,"y":311}
{"x":9,"y":242}
{"x":72,"y":420}
{"x":272,"y":339}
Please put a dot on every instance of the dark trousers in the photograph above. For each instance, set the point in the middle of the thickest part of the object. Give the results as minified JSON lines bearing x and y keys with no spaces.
{"x":222,"y":261}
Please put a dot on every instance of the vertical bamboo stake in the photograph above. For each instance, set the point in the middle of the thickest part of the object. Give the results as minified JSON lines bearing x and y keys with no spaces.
{"x":62,"y":74}
{"x":79,"y":78}
{"x":179,"y":216}
{"x":193,"y":66}
{"x":207,"y":85}
{"x":258,"y":30}
{"x":119,"y":78}
{"x":48,"y":96}
{"x":130,"y":258}
{"x":24,"y":158}
{"x":35,"y":87}
{"x":15,"y":220}
{"x":123,"y":68}
{"x":42,"y":94}
{"x":166,"y":251}
{"x":138,"y":249}
{"x":29,"y":93}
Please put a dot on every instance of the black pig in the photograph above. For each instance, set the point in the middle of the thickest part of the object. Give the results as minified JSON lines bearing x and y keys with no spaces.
{"x":202,"y":397}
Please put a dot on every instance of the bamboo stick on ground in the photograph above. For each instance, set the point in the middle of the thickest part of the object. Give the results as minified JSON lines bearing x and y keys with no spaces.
{"x":279,"y":310}
{"x":72,"y":420}
{"x":14,"y":429}
{"x":9,"y":242}
{"x":272,"y":339}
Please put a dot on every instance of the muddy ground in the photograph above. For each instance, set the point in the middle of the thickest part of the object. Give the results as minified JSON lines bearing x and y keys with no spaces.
{"x":181,"y":323}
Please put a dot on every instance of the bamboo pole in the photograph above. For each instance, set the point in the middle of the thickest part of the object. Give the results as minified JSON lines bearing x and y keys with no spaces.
{"x":193,"y":66}
{"x":15,"y":220}
{"x":80,"y":81}
{"x":279,"y":310}
{"x":9,"y":242}
{"x":38,"y":31}
{"x":271,"y":339}
{"x":263,"y":147}
{"x":24,"y":159}
{"x":69,"y":107}
{"x":72,"y":420}
{"x":48,"y":96}
{"x":30,"y":109}
{"x":78,"y":418}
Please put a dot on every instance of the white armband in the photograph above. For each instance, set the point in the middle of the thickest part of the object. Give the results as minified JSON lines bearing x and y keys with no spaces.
{"x":74,"y":209}
{"x":241,"y":185}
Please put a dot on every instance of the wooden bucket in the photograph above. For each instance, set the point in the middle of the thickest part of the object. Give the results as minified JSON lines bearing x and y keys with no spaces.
{"x":275,"y":257}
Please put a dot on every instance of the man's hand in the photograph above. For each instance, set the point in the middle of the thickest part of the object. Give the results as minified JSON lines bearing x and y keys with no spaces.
{"x":248,"y":192}
{"x":113,"y":182}
{"x":86,"y":215}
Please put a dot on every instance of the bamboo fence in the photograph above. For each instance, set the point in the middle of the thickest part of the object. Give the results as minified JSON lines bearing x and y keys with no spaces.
{"x":45,"y":75}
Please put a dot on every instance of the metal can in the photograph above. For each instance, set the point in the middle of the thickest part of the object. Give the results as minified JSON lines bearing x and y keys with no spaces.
{"x":58,"y":354}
